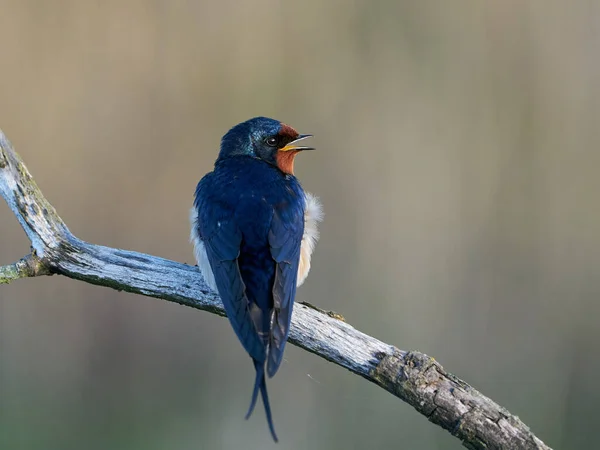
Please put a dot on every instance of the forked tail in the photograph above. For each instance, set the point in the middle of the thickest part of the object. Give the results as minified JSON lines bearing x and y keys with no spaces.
{"x":260,"y":383}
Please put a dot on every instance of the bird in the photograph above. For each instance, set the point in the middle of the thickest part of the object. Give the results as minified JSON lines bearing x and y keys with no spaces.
{"x":254,"y":229}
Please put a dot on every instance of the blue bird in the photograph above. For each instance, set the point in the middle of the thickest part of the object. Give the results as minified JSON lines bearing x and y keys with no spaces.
{"x":254,"y":229}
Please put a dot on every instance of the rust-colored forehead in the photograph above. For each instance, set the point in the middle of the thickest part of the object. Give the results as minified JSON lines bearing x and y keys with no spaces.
{"x":288,"y":131}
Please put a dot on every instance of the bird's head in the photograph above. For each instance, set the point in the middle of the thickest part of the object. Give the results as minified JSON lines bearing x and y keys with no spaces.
{"x":266,"y":139}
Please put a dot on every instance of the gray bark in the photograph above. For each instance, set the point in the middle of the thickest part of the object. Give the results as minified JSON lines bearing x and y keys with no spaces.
{"x":414,"y":377}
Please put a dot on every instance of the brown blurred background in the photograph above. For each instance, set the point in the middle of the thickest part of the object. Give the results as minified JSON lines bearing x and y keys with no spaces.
{"x":458,"y":151}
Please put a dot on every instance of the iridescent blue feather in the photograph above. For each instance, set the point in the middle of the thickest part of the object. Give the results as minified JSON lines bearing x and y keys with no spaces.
{"x":250,"y":219}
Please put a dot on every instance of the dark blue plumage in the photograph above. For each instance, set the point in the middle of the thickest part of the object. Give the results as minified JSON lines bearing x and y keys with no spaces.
{"x":249,"y":219}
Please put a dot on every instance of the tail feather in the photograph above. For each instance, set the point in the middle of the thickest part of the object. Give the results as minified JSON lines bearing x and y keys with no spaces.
{"x":260,"y":375}
{"x":260,"y":384}
{"x":265,"y":398}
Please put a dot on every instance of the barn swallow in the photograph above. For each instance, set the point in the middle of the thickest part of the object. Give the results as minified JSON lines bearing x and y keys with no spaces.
{"x":254,"y":229}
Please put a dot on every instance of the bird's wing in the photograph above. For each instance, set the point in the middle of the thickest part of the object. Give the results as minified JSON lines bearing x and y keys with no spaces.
{"x":285,"y":236}
{"x":222,"y":239}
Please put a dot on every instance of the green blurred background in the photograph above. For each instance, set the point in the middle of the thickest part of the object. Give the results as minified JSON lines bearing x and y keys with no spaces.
{"x":457,"y":159}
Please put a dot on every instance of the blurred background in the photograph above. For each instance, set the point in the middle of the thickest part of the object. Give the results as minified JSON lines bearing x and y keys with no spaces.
{"x":457,"y":159}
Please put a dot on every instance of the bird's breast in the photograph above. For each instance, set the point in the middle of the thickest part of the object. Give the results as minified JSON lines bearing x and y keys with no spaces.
{"x":200,"y":252}
{"x":313,"y":214}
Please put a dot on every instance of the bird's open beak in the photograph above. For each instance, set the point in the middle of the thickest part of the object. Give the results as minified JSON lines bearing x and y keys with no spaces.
{"x":292,"y":145}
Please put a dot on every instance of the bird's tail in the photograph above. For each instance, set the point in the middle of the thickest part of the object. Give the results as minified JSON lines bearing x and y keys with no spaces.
{"x":260,"y":383}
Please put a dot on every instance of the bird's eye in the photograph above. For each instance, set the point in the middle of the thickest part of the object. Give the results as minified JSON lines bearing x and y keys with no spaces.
{"x":271,"y":141}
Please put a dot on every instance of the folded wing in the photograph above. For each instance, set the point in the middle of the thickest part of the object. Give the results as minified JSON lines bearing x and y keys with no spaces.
{"x":285,"y":237}
{"x":222,"y":238}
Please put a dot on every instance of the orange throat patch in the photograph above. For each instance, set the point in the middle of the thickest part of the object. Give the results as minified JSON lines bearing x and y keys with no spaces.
{"x":285,"y":161}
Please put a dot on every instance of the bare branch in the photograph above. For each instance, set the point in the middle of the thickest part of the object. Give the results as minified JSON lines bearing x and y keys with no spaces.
{"x":414,"y":377}
{"x":28,"y":266}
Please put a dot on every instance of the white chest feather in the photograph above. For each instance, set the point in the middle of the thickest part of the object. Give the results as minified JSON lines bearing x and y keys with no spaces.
{"x":313,"y":214}
{"x":200,"y":252}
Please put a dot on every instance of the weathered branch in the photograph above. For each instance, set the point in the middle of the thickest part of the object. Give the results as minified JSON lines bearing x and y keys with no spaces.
{"x":28,"y":266}
{"x":412,"y":376}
